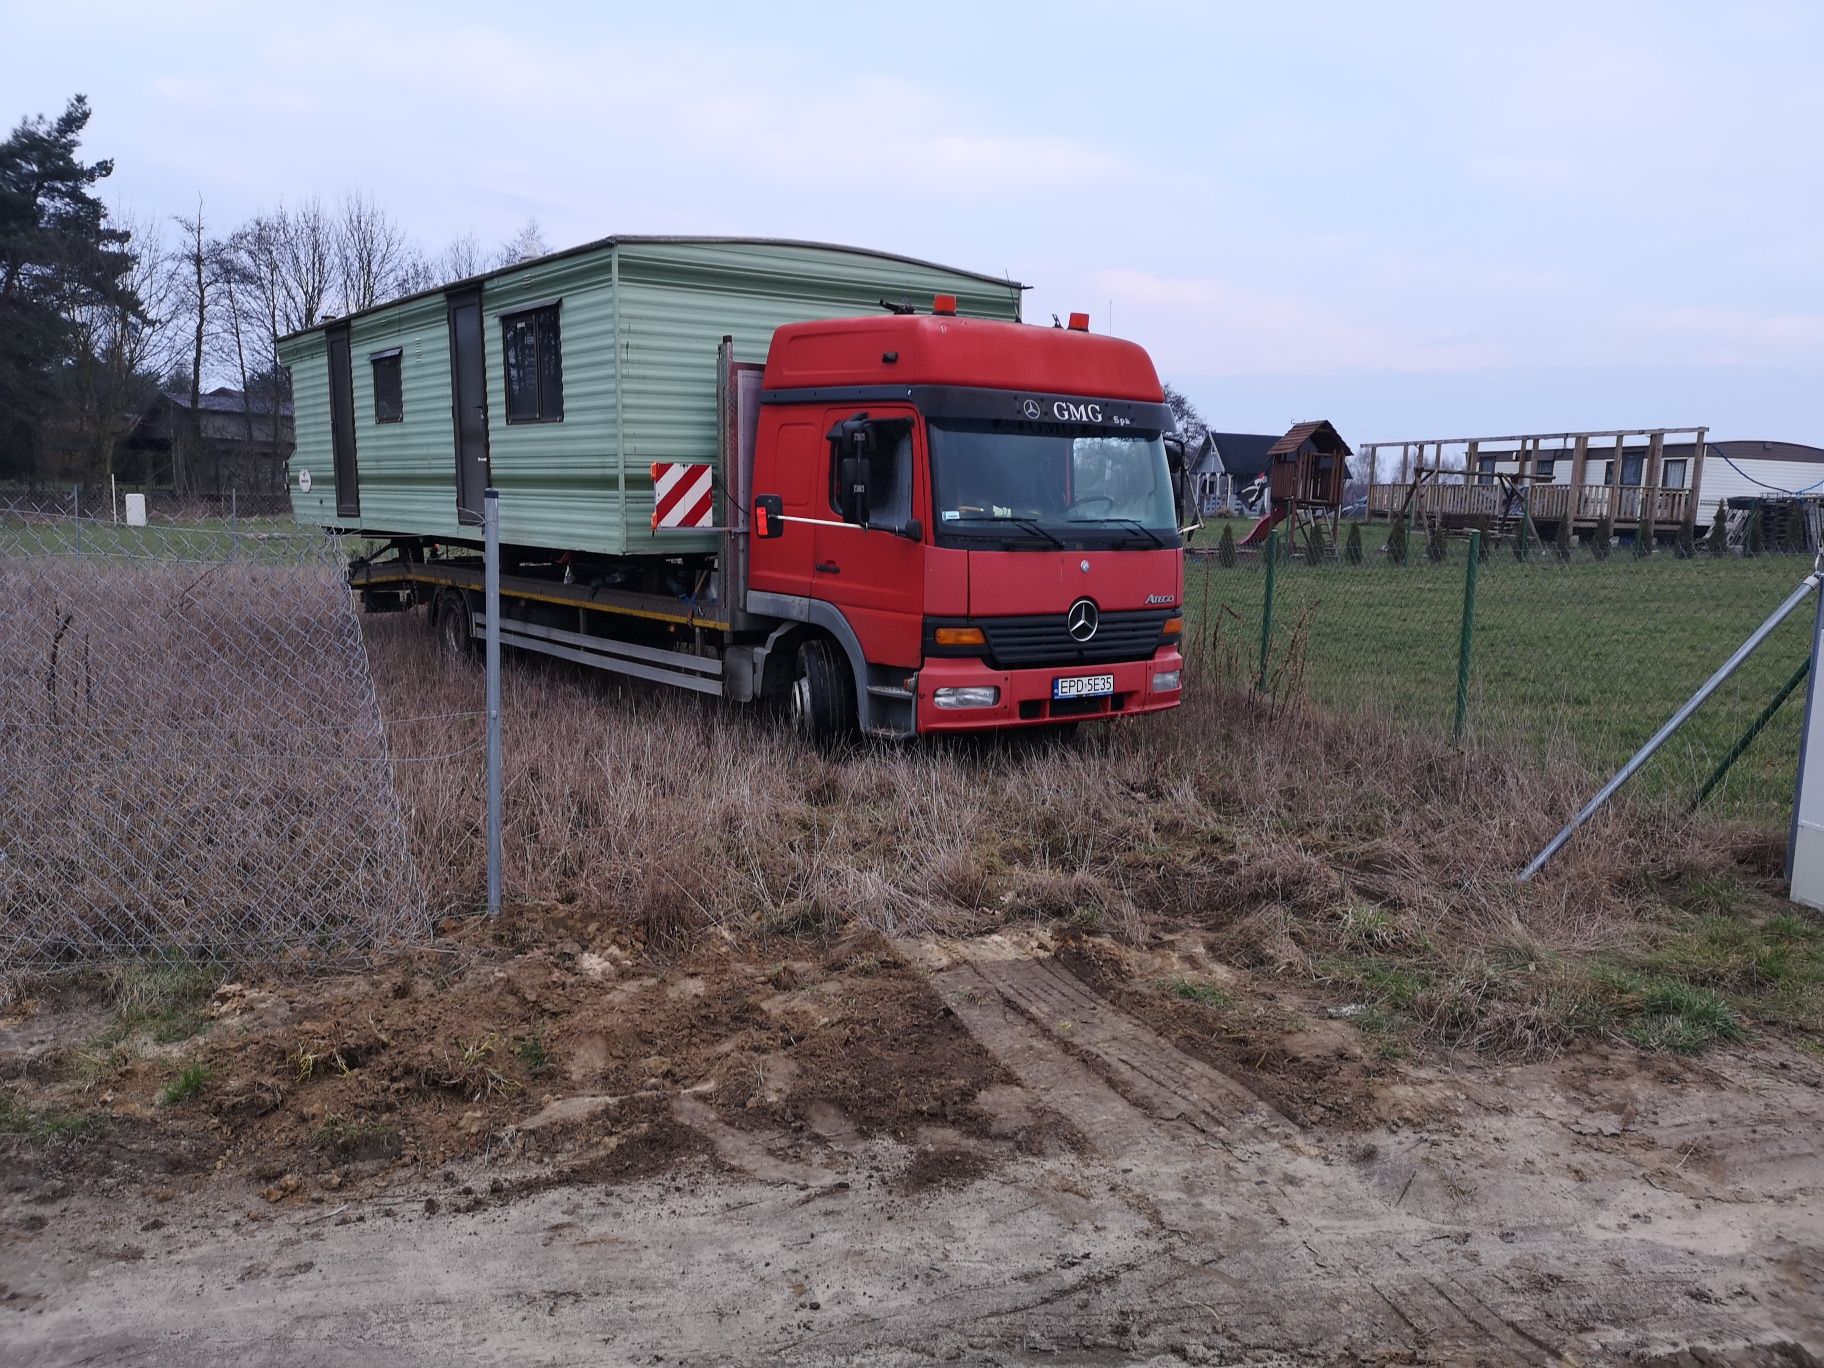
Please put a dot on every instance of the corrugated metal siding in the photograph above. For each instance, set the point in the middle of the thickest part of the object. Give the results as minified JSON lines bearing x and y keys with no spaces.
{"x":554,"y":478}
{"x":1723,"y":481}
{"x":304,"y":356}
{"x":560,"y":483}
{"x":407,"y":469}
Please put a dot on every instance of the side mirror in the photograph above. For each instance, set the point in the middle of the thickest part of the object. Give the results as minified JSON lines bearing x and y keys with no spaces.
{"x":852,"y":475}
{"x":769,"y":517}
{"x":912,"y":530}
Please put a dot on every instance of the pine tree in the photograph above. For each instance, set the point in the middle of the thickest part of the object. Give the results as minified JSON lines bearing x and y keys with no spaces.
{"x":1561,"y":539}
{"x":1754,"y":536}
{"x":1685,"y":545}
{"x":1396,"y":542}
{"x":1352,"y":548}
{"x":58,"y":256}
{"x":1435,"y":548}
{"x":1716,"y":541}
{"x":1225,"y":548}
{"x":1795,"y":527}
{"x":1317,"y":549}
{"x":1603,"y":540}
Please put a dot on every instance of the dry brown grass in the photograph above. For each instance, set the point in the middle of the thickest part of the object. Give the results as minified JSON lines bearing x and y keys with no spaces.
{"x":1298,"y":845}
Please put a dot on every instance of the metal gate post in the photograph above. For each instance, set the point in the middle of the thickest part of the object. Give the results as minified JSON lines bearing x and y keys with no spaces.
{"x":1805,"y":842}
{"x":1466,"y":635}
{"x":1266,"y":607}
{"x":490,"y":521}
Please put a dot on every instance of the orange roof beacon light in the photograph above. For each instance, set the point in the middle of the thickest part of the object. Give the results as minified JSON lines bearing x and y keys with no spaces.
{"x":944,"y":304}
{"x":1079,"y":322}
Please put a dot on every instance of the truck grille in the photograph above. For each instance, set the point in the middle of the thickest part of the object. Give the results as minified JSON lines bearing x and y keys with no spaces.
{"x":1016,"y":643}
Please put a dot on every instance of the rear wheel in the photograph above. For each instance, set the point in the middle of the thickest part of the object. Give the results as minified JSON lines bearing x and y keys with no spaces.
{"x":821,"y":701}
{"x":450,"y":622}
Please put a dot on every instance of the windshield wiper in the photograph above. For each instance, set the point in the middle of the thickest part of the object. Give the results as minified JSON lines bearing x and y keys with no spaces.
{"x":1134,"y":523}
{"x":1024,"y":524}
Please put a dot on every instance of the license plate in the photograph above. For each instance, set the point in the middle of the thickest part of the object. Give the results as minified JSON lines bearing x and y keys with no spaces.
{"x":1083,"y":686}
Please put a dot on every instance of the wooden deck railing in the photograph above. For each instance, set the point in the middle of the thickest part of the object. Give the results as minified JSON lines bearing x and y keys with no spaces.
{"x":1546,"y":502}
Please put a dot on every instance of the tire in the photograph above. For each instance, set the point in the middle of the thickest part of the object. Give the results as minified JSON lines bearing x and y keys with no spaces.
{"x":820,"y":704}
{"x":450,"y":622}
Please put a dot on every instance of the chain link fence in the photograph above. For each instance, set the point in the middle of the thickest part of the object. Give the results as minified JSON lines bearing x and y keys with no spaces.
{"x":1575,"y":653}
{"x":193,"y":762}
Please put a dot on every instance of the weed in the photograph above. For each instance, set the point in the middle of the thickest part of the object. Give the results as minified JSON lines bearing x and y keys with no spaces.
{"x":184,"y":1085}
{"x":1199,"y":992}
{"x":531,"y":1052}
{"x":1658,"y":1013}
{"x":355,"y":1137}
{"x":20,"y":1119}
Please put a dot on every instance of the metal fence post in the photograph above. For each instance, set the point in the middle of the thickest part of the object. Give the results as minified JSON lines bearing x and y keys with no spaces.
{"x":1266,"y":606}
{"x":76,"y":520}
{"x":491,"y":599}
{"x":1467,"y":635}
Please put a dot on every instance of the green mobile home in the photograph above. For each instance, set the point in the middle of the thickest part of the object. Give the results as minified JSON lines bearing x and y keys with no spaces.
{"x":561,"y":381}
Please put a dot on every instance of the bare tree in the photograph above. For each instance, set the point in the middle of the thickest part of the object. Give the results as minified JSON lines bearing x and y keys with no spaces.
{"x":119,"y":351}
{"x":370,"y":251}
{"x":193,"y":277}
{"x":462,"y":257}
{"x":527,"y":243}
{"x":304,"y":243}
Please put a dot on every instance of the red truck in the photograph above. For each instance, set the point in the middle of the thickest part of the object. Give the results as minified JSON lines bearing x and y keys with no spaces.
{"x":914,"y":522}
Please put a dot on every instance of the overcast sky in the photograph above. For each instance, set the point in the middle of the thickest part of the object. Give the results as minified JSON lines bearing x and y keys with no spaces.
{"x":1415,"y":219}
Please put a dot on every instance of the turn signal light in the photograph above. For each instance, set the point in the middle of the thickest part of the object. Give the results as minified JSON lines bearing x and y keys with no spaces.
{"x":1174,"y":626}
{"x":960,"y":636}
{"x":944,"y":304}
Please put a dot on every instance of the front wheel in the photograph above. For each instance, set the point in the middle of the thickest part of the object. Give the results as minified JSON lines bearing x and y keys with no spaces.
{"x":821,"y":701}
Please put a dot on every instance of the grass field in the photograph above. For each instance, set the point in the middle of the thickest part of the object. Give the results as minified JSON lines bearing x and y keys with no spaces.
{"x":1581,"y":660}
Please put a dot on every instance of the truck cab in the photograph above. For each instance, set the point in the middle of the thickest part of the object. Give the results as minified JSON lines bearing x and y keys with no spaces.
{"x":963,"y":524}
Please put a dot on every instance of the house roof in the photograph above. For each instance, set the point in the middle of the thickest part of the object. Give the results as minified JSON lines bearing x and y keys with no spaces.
{"x":1319,"y":432}
{"x":1738,"y":450}
{"x":221,"y":399}
{"x":1243,"y":454}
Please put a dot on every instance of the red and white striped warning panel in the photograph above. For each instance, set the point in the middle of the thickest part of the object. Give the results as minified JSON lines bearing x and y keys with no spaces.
{"x":682,"y":494}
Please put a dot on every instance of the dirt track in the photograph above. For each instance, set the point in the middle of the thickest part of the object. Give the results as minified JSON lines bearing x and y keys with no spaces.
{"x":1111,"y":1199}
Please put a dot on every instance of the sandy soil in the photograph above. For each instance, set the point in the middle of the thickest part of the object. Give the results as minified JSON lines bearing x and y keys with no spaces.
{"x":977,"y":1151}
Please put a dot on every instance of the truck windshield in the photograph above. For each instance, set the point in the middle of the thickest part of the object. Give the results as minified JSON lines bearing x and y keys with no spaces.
{"x":1049,"y":485}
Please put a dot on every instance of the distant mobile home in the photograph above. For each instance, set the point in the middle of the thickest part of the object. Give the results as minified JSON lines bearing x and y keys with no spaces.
{"x":562,"y":380}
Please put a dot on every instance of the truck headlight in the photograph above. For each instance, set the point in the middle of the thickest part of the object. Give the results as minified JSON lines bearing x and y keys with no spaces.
{"x":1164,"y":681}
{"x":974,"y":696}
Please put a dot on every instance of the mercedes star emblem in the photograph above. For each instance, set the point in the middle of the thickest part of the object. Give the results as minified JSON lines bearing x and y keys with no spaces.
{"x":1082,"y":620}
{"x":1032,"y":410}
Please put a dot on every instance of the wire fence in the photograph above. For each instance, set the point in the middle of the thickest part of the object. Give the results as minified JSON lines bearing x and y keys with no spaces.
{"x":193,"y":762}
{"x":1575,"y":653}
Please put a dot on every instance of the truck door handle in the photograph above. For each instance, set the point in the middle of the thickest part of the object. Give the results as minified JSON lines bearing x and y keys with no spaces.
{"x":828,"y":568}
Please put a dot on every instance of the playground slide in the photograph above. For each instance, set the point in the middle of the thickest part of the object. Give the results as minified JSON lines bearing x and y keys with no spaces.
{"x":1264,"y":526}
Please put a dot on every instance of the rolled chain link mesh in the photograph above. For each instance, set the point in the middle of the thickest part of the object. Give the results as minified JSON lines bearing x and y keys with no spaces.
{"x":193,"y":762}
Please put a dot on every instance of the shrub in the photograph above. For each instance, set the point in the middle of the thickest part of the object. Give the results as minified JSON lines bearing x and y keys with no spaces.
{"x":1435,"y":547}
{"x":1352,"y":547}
{"x":1754,"y":536}
{"x":1716,"y":541}
{"x":1684,"y":546}
{"x":1225,"y":548}
{"x":1396,"y":543}
{"x":1561,"y":539}
{"x":1604,"y":539}
{"x":1317,"y":548}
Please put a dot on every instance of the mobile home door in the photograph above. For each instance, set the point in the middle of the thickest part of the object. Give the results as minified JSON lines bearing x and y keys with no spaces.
{"x":469,"y":404}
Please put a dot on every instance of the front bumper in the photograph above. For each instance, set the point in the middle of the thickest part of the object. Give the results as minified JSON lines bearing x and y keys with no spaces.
{"x":1025,"y":695}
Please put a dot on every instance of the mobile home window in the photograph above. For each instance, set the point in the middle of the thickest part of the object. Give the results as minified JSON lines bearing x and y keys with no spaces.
{"x":535,"y":366}
{"x":1546,"y":471}
{"x":389,"y":391}
{"x":1672,"y":475}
